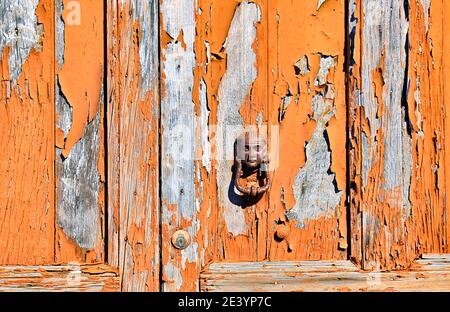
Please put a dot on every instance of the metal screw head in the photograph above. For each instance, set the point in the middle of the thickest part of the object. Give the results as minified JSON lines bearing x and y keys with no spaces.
{"x":181,"y":239}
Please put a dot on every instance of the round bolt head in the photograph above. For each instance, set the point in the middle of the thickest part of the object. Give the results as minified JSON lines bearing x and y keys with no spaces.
{"x":281,"y":231}
{"x":181,"y":239}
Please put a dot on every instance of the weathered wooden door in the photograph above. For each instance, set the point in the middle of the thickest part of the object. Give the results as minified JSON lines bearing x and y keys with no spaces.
{"x":277,"y":66}
{"x":79,"y":126}
{"x":351,"y":97}
{"x":118,"y":122}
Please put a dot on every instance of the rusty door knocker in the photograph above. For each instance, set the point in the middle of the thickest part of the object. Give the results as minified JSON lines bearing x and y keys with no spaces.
{"x":251,"y":157}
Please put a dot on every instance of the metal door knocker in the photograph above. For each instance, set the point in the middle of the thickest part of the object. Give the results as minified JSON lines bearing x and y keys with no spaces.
{"x":251,"y":158}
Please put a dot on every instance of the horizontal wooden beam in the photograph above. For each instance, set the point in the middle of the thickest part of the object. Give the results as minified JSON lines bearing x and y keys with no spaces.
{"x":431,"y":273}
{"x":59,"y":278}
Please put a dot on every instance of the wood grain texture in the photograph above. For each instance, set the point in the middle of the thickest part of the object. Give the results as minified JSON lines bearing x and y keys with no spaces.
{"x":213,"y":82}
{"x":446,"y":103}
{"x":241,"y":105}
{"x":397,"y":128}
{"x":431,"y":273}
{"x":112,"y":134}
{"x":177,"y":144}
{"x":307,"y":102}
{"x":80,"y":189}
{"x":27,"y":132}
{"x":133,"y":140}
{"x":61,"y":278}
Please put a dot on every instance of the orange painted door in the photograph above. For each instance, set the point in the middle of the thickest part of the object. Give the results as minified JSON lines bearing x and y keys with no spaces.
{"x":79,"y":134}
{"x":52,"y":130}
{"x":119,"y":126}
{"x":350,"y":96}
{"x":277,"y":67}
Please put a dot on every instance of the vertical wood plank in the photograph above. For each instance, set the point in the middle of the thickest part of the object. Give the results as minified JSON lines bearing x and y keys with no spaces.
{"x":112,"y":133}
{"x":308,"y":105}
{"x":27,"y":132}
{"x":178,"y":211}
{"x":397,"y":116}
{"x":133,"y":114}
{"x":80,"y":188}
{"x":446,"y":103}
{"x":353,"y":71}
{"x":239,"y":38}
{"x":213,"y":83}
{"x":426,"y":225}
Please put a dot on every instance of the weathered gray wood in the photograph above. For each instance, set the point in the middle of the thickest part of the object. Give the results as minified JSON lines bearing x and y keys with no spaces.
{"x":427,"y":274}
{"x":133,"y":142}
{"x":178,"y":124}
{"x":64,"y":278}
{"x":382,"y":156}
{"x":397,"y":121}
{"x":19,"y":31}
{"x":234,"y":87}
{"x":314,"y":186}
{"x":79,"y":181}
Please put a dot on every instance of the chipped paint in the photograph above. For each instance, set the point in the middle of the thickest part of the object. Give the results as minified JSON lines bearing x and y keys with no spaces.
{"x":426,"y":12}
{"x":326,"y":63}
{"x":83,"y":95}
{"x":173,"y":275}
{"x":178,"y":174}
{"x":394,"y":38}
{"x":133,"y":143}
{"x":306,"y":72}
{"x":204,"y":126}
{"x":234,"y":88}
{"x":320,"y":3}
{"x":20,"y":32}
{"x":145,"y":12}
{"x":314,"y":187}
{"x":79,"y":165}
{"x":397,"y":136}
{"x":383,"y":78}
{"x":178,"y":125}
{"x":302,"y":66}
{"x":27,"y":132}
{"x":79,"y":182}
{"x":243,"y":75}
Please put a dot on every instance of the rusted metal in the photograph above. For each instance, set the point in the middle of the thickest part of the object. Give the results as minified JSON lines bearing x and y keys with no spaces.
{"x":251,"y":157}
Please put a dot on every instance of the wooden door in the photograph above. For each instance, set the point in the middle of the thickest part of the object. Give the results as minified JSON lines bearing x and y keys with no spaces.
{"x":79,"y":133}
{"x":52,"y":232}
{"x":350,"y":96}
{"x":118,"y":125}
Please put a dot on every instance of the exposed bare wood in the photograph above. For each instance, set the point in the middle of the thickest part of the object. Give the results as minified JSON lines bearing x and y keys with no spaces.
{"x":397,"y":131}
{"x":113,"y":134}
{"x":307,"y":102}
{"x":80,"y":190}
{"x":427,"y":274}
{"x":133,"y":138}
{"x":63,"y":278}
{"x":178,"y":123}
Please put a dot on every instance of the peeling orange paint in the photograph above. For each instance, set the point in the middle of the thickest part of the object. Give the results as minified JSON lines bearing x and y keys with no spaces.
{"x":362,"y":125}
{"x":27,"y":203}
{"x":325,"y":237}
{"x":81,"y":76}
